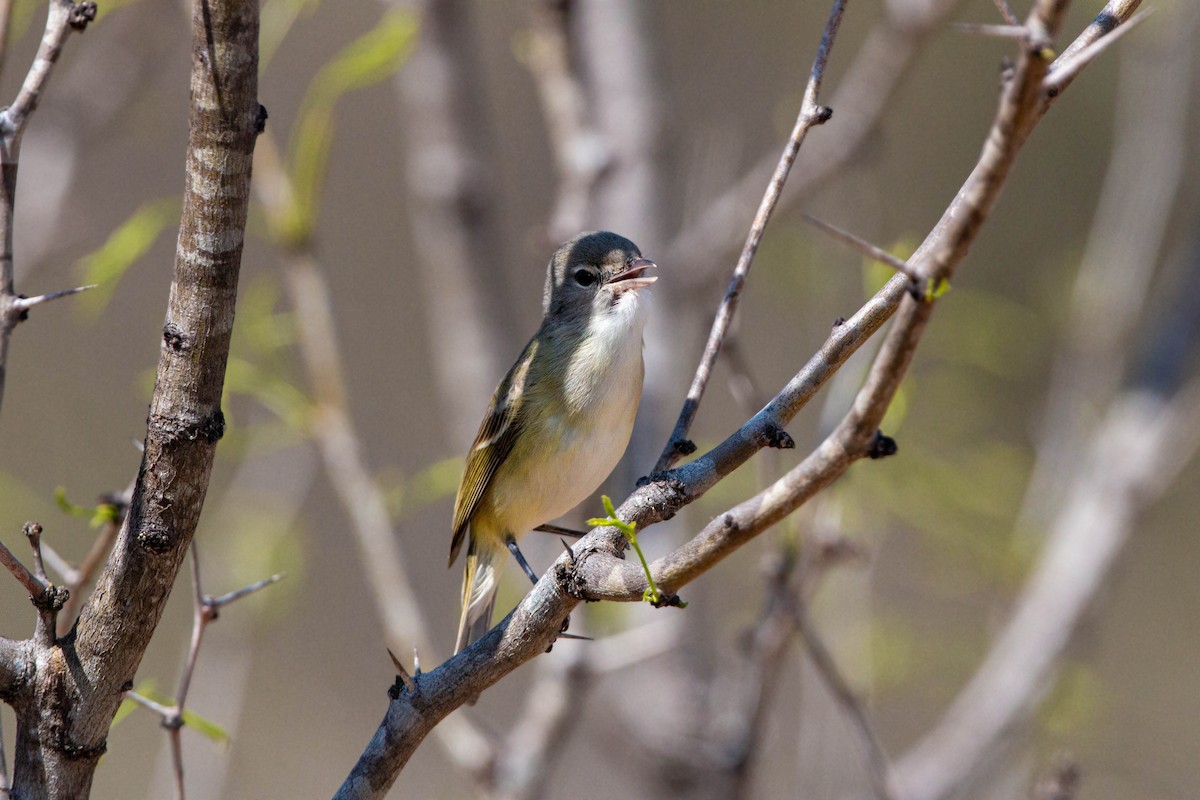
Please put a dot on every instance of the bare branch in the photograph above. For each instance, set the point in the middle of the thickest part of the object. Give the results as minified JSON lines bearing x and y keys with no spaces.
{"x":361,"y":497}
{"x":875,"y":71}
{"x":579,"y":148}
{"x":454,"y":226}
{"x":32,"y":584}
{"x":1006,"y":13}
{"x":1091,"y":517}
{"x":878,"y":764}
{"x":185,"y":419}
{"x":811,"y":114}
{"x":598,"y":573}
{"x":1013,"y":31}
{"x":1065,"y":70}
{"x":14,"y":308}
{"x":862,"y":246}
{"x":245,"y":591}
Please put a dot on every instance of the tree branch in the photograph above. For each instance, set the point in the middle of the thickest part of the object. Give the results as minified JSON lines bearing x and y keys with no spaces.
{"x":64,"y":714}
{"x":62,"y":17}
{"x":597,"y":571}
{"x":811,"y":114}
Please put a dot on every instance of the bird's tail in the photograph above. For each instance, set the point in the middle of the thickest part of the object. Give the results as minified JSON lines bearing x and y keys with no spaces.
{"x":480,"y":581}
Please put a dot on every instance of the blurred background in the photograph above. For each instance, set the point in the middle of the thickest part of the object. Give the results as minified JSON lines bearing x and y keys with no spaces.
{"x":420,"y":163}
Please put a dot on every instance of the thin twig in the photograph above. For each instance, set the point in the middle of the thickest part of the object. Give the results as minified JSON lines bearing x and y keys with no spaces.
{"x":811,"y":114}
{"x":876,"y":71}
{"x":204,"y":613}
{"x":878,"y":764}
{"x":598,"y":572}
{"x":14,"y":308}
{"x":19,"y":571}
{"x":1007,"y":13}
{"x":26,"y":303}
{"x":1066,"y":69}
{"x":1018,"y":32}
{"x":862,"y":246}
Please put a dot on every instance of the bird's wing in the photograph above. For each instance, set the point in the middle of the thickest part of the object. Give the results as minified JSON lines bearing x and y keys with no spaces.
{"x":497,"y":434}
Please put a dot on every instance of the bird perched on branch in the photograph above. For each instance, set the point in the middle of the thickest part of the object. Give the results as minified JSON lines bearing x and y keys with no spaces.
{"x":560,"y":419}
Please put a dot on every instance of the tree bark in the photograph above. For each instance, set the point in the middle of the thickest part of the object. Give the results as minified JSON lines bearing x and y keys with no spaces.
{"x":73,"y":686}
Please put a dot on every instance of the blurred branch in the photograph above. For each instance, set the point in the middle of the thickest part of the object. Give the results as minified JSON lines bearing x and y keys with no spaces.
{"x":1093,"y":512}
{"x":1155,"y":437}
{"x":874,"y":73}
{"x":580,"y":150}
{"x":73,"y":687}
{"x":811,"y":114}
{"x":1150,"y":143}
{"x":597,"y":572}
{"x":338,"y":442}
{"x":205,"y":609}
{"x":62,"y":17}
{"x":878,"y":765}
{"x":453,"y":211}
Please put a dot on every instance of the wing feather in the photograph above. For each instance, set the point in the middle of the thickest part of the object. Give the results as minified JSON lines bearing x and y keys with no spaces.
{"x":497,"y":434}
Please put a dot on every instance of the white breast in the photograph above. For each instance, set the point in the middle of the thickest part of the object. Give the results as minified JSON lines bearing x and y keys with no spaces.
{"x":604,"y":384}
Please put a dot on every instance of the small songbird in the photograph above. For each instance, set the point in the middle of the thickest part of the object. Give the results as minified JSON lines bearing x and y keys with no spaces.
{"x":560,"y":419}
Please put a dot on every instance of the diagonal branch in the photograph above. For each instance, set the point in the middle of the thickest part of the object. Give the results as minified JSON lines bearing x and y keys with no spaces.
{"x":598,"y":572}
{"x":811,"y":114}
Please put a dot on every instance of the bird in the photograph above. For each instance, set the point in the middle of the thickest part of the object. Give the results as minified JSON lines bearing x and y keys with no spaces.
{"x":560,"y":419}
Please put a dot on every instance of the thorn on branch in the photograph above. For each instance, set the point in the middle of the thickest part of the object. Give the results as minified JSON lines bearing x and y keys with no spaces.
{"x":1013,"y":31}
{"x":403,"y":679}
{"x":570,"y":552}
{"x":882,"y":446}
{"x":80,"y":15}
{"x":860,"y":245}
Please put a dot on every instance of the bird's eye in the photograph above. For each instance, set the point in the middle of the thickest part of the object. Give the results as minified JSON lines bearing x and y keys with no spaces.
{"x":584,"y":277}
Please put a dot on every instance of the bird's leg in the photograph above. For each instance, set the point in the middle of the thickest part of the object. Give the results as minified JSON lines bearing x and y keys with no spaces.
{"x":520,"y":557}
{"x":560,"y":531}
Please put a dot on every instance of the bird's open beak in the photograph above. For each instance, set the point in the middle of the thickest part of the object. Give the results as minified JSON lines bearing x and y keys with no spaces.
{"x":633,"y":278}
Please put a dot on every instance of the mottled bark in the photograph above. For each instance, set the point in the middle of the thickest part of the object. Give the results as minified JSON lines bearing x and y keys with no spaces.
{"x":73,"y":686}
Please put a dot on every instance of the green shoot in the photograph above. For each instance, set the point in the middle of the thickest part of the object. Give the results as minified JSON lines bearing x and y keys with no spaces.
{"x":629,"y":529}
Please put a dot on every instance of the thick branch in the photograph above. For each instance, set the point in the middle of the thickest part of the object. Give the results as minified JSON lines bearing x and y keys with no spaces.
{"x":80,"y":685}
{"x":597,"y":571}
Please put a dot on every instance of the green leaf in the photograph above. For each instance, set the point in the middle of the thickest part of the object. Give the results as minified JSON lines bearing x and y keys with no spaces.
{"x":106,"y":265}
{"x":206,"y":727}
{"x":608,"y":506}
{"x":191,"y":719}
{"x":367,"y":60}
{"x":935,"y":289}
{"x":66,"y":506}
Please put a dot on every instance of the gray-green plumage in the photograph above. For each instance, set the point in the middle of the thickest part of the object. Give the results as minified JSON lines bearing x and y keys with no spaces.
{"x":561,"y":418}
